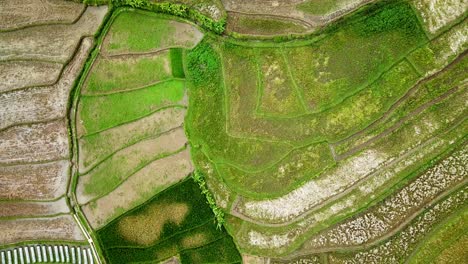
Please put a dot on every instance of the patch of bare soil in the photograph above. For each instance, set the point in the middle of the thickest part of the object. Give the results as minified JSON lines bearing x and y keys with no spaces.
{"x":139,"y":188}
{"x":249,"y":259}
{"x":20,"y":74}
{"x":16,"y":14}
{"x":32,"y":209}
{"x":43,"y":103}
{"x":95,"y":148}
{"x":185,"y":35}
{"x":50,"y":42}
{"x":34,"y":143}
{"x":125,"y":162}
{"x":34,"y":181}
{"x":172,"y":260}
{"x":60,"y":228}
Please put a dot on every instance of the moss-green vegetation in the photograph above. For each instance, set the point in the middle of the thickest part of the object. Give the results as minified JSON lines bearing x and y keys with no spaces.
{"x":177,"y":63}
{"x":139,"y":31}
{"x":251,"y":25}
{"x":187,"y":227}
{"x":321,"y":7}
{"x":103,"y":112}
{"x":116,"y":74}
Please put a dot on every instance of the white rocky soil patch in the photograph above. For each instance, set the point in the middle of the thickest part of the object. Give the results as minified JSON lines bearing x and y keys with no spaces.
{"x":439,"y":13}
{"x":315,"y":191}
{"x":398,"y":208}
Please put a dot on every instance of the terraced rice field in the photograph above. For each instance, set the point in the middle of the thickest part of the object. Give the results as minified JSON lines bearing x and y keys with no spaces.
{"x":43,"y":47}
{"x":233,"y":131}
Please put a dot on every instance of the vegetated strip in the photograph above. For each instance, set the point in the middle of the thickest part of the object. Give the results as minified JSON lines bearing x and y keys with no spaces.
{"x":400,"y":101}
{"x":398,"y":124}
{"x":350,"y":188}
{"x":129,"y":145}
{"x":97,"y":94}
{"x":136,"y":119}
{"x":73,"y":139}
{"x":142,"y":166}
{"x":105,"y":54}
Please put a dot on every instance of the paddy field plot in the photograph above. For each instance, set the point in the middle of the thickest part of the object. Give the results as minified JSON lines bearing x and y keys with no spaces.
{"x":130,"y":118}
{"x":307,"y":132}
{"x":299,"y":136}
{"x":176,"y":221}
{"x":43,"y":47}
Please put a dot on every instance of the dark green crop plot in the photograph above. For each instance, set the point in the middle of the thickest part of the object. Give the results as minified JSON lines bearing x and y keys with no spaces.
{"x":176,"y":221}
{"x":177,"y":63}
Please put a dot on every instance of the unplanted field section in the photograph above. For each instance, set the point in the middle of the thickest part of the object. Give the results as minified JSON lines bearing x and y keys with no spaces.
{"x":58,"y":228}
{"x":23,"y":13}
{"x":176,"y":221}
{"x":46,"y":181}
{"x":55,"y":43}
{"x":13,"y":209}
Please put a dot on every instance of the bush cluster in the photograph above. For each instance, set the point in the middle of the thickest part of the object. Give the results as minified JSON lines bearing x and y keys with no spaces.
{"x":199,"y":178}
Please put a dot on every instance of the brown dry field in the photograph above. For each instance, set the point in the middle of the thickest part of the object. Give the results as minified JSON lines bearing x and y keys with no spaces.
{"x":20,"y":74}
{"x":43,"y":103}
{"x":111,"y":140}
{"x":55,"y":43}
{"x":234,"y":24}
{"x":32,"y":209}
{"x":16,"y":14}
{"x":128,"y":159}
{"x":45,"y":181}
{"x":140,"y":187}
{"x":248,"y":259}
{"x":34,"y":143}
{"x":285,"y":8}
{"x":60,"y":228}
